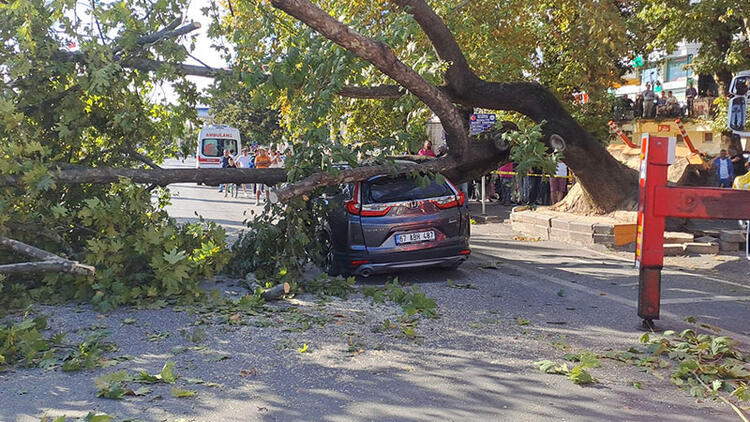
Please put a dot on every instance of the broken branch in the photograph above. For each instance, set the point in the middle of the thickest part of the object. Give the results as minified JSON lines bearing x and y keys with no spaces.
{"x":50,"y":262}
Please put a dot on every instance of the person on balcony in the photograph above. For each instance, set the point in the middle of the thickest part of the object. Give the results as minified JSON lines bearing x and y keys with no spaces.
{"x":690,"y":94}
{"x":638,"y":106}
{"x":673,"y":107}
{"x":648,"y":102}
{"x":661,"y":105}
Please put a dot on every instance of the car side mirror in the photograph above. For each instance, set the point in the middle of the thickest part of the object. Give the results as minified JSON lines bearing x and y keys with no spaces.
{"x":737,"y":116}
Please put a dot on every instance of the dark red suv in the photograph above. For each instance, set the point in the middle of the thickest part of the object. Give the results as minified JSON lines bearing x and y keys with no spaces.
{"x":386,"y":224}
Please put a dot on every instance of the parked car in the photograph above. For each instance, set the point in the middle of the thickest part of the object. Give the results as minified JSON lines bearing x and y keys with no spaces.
{"x":387,"y":223}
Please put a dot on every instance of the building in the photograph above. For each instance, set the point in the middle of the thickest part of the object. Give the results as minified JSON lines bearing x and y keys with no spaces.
{"x":669,"y":72}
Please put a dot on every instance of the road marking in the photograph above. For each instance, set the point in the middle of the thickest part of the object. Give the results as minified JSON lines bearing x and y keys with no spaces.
{"x":717,"y":298}
{"x":595,"y":292}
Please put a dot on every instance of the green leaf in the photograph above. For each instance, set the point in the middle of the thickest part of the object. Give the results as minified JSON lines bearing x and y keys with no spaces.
{"x":167,"y":373}
{"x":580,"y":376}
{"x":182,"y":393}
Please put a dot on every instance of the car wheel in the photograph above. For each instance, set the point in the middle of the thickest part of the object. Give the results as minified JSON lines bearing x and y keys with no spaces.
{"x":329,"y":263}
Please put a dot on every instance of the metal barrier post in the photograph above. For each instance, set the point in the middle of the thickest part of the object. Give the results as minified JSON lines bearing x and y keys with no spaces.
{"x":658,"y":201}
{"x":483,"y":191}
{"x":650,"y":242}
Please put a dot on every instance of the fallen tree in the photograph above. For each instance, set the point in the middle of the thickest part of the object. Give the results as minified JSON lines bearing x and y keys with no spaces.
{"x":606,"y":184}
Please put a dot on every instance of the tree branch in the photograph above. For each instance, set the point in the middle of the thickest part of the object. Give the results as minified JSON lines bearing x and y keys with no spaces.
{"x":160,"y":177}
{"x":150,"y":65}
{"x":359,"y":173}
{"x":458,"y":75}
{"x":50,"y":262}
{"x":382,"y":57}
{"x":380,"y":92}
{"x":142,"y":158}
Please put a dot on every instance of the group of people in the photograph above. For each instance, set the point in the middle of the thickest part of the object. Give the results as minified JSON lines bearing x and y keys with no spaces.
{"x":255,"y":157}
{"x":730,"y":164}
{"x":534,"y":188}
{"x":649,"y":104}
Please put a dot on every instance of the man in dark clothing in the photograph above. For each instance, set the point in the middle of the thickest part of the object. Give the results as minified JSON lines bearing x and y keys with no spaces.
{"x":738,"y":162}
{"x":690,"y":94}
{"x":224,"y":164}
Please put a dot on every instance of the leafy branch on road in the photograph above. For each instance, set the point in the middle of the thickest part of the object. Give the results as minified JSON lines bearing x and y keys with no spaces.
{"x":705,"y":365}
{"x":23,"y":343}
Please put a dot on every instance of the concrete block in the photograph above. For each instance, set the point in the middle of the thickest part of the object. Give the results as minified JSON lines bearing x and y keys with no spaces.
{"x":604,"y":229}
{"x":674,"y":249}
{"x":586,"y":238}
{"x":678,"y":237}
{"x":559,"y":223}
{"x":630,"y":217}
{"x":578,"y":226}
{"x":725,"y":246}
{"x":530,"y":229}
{"x":702,"y":248}
{"x":558,"y":234}
{"x":709,"y":232}
{"x":604,"y":239}
{"x":732,"y":236}
{"x":531,"y":217}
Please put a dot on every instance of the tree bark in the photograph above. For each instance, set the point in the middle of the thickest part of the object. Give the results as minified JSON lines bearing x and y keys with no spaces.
{"x":276,"y":292}
{"x":50,"y":262}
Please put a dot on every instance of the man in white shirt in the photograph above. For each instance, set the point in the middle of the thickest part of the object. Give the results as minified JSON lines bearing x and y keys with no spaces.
{"x":243,"y":161}
{"x":724,"y":169}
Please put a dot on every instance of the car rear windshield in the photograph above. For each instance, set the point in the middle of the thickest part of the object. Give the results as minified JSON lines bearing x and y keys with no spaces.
{"x":386,"y":189}
{"x":215,"y":147}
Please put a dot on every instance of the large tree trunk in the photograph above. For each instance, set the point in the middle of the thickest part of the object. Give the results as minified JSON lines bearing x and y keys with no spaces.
{"x":607,"y":183}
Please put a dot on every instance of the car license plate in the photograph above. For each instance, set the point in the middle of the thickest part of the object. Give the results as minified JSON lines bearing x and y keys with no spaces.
{"x":415,"y":237}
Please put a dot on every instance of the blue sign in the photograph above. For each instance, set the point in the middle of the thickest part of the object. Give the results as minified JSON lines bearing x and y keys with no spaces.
{"x":478,"y":123}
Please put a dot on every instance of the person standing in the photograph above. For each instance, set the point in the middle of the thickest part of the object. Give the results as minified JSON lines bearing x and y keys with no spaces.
{"x":690,"y":94}
{"x":638,"y":107}
{"x":648,"y":102}
{"x":224,"y":164}
{"x":231,"y":187}
{"x":244,"y":161}
{"x":505,"y":183}
{"x":724,"y":169}
{"x":427,"y":149}
{"x":559,"y":183}
{"x":262,"y":161}
{"x":739,"y":163}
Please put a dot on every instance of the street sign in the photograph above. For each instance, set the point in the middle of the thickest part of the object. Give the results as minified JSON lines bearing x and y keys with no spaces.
{"x":480,"y":122}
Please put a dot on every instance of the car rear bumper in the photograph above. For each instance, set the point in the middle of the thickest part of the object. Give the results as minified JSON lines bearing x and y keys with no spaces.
{"x":367,"y":270}
{"x":368,"y":264}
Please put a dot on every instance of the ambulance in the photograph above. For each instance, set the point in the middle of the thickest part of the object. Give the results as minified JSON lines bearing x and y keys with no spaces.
{"x":212,"y":141}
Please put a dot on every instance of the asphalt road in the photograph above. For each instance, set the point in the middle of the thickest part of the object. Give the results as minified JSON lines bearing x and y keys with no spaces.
{"x":521,"y":302}
{"x":591,"y":293}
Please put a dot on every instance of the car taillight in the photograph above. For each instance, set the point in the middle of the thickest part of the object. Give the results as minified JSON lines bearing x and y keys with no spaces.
{"x":446,"y":202}
{"x":461,"y":198}
{"x":375,"y":210}
{"x":352,"y":206}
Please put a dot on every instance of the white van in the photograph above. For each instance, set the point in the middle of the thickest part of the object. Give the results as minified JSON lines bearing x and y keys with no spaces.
{"x":212,"y":141}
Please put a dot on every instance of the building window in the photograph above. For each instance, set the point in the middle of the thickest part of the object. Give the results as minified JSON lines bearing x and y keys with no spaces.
{"x":708,"y":137}
{"x":676,"y":68}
